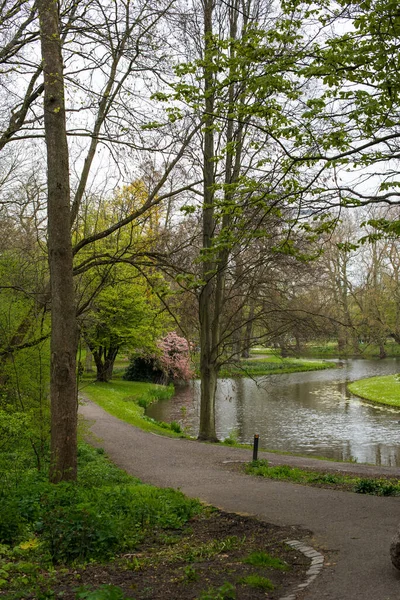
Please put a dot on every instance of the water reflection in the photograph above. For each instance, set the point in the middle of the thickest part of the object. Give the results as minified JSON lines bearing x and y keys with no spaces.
{"x":309,"y":413}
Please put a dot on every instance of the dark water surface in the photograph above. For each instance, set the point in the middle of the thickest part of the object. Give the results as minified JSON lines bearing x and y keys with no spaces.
{"x":310,"y":413}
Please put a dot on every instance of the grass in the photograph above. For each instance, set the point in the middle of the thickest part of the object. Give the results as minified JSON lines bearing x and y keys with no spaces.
{"x":349,"y":483}
{"x":127,"y":401}
{"x":257,"y":581}
{"x":384,"y":390}
{"x":262,"y":559}
{"x":270,"y":365}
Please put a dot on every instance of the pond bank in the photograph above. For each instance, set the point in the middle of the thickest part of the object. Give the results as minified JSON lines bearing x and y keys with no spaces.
{"x":383,"y":390}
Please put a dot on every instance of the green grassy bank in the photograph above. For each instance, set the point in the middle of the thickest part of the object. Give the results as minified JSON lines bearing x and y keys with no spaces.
{"x":345,"y":482}
{"x":127,"y":401}
{"x":270,"y":365}
{"x":384,"y":390}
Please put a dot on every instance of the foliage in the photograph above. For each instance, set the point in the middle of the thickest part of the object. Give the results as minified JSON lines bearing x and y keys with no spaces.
{"x":24,"y":402}
{"x":175,"y":357}
{"x":106,"y":512}
{"x":377,"y":487}
{"x":104,"y":592}
{"x":270,"y":365}
{"x":172,"y":363}
{"x":13,"y":426}
{"x":257,"y":581}
{"x":232,"y":438}
{"x":262,"y":559}
{"x":226,"y":591}
{"x":144,"y":369}
{"x":125,"y":314}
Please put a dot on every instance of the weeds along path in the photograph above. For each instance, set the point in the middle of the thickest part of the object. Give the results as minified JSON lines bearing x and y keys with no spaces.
{"x":353,"y":531}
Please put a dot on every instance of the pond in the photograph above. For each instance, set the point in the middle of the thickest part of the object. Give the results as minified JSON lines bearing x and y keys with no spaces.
{"x":309,"y":413}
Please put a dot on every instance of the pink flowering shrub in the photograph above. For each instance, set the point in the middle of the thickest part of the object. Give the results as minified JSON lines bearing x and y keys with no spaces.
{"x":175,"y":358}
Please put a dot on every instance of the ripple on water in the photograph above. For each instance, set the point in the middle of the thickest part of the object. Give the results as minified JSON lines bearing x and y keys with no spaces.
{"x":310,"y":413}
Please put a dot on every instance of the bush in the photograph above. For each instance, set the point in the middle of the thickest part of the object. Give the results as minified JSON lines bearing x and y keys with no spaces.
{"x":172,"y":364}
{"x":12,"y":524}
{"x":378,"y":487}
{"x":105,"y":513}
{"x":144,"y":369}
{"x":77,"y":533}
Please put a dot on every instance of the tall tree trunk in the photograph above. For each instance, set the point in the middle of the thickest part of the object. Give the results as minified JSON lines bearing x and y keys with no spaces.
{"x":212,"y":297}
{"x":207,"y":406}
{"x":64,"y":338}
{"x":207,"y":365}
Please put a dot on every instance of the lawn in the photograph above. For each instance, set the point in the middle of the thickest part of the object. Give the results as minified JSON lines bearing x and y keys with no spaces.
{"x":385,"y":390}
{"x":270,"y":365}
{"x":127,"y":401}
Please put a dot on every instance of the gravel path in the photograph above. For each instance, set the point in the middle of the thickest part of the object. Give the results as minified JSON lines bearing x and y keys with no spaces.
{"x":353,"y":531}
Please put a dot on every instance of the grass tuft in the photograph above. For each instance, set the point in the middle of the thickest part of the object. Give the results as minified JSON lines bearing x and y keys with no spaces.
{"x":257,"y":581}
{"x":262,"y":559}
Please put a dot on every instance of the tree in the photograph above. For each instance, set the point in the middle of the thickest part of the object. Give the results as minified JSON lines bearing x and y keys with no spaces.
{"x":169,"y":362}
{"x":124,"y":315}
{"x":250,"y":191}
{"x":107,"y":89}
{"x":64,"y":335}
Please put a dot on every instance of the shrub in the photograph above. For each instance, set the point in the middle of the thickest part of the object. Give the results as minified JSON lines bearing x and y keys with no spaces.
{"x":172,"y":363}
{"x":105,"y":513}
{"x":12,"y":524}
{"x":77,"y":533}
{"x":144,"y":369}
{"x":377,"y":486}
{"x":175,"y":427}
{"x":224,"y":592}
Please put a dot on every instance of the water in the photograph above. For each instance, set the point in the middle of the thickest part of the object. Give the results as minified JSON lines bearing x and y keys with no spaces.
{"x":310,"y":413}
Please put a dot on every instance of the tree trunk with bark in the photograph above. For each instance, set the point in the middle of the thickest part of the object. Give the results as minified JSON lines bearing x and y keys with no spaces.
{"x":64,"y":338}
{"x":104,"y":359}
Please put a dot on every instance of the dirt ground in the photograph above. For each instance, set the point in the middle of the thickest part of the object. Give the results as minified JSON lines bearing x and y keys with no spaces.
{"x":204,"y":560}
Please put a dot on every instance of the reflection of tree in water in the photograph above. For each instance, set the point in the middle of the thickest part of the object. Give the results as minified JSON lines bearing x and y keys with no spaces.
{"x":227,"y":413}
{"x":297,"y":413}
{"x":182,"y":408}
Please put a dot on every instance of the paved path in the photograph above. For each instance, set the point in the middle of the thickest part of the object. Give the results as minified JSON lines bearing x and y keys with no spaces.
{"x":353,"y":531}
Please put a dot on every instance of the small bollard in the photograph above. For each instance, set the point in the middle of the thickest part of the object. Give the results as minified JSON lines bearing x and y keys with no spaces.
{"x":255,"y":447}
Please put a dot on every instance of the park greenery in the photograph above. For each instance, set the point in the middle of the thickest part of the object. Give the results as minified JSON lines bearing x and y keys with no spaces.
{"x":202,"y":189}
{"x":180,"y":183}
{"x":127,"y":400}
{"x":108,"y":536}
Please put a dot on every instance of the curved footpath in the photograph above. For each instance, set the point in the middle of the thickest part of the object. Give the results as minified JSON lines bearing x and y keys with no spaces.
{"x":353,"y":531}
